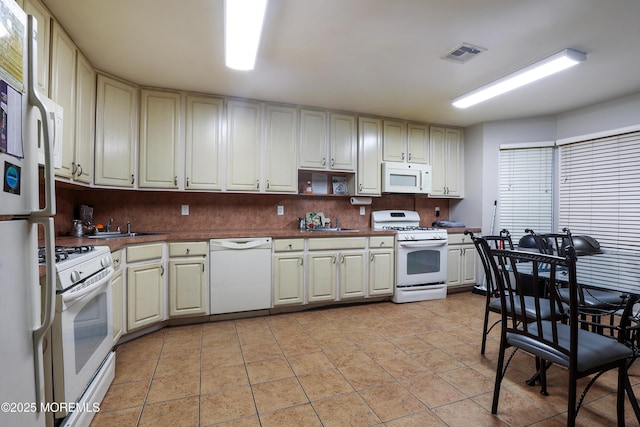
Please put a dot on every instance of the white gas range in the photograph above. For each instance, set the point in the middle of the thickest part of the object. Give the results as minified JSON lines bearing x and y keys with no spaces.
{"x":421,"y":256}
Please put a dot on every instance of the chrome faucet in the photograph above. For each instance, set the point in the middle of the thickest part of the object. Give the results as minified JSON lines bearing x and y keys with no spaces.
{"x":337,"y":223}
{"x":128,"y":227}
{"x":109,"y":224}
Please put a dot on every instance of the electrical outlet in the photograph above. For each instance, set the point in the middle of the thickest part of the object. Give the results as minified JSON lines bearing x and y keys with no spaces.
{"x":280,"y":210}
{"x":185,"y":210}
{"x":362,"y":210}
{"x":437,"y":211}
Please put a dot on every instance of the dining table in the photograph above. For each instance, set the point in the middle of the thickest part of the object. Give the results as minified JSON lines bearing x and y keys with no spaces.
{"x":617,"y":271}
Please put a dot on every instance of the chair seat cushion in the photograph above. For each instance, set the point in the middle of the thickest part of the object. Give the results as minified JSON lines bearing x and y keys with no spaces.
{"x":596,"y":298}
{"x":529,"y":305}
{"x":593,"y":350}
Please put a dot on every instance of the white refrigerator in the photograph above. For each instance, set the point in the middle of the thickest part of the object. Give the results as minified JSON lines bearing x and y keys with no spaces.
{"x":26,"y":308}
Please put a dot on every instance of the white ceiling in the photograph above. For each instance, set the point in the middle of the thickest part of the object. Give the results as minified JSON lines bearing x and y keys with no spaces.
{"x":378,"y":57}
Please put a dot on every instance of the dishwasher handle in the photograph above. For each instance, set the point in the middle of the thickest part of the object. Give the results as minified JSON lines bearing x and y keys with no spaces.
{"x":240,"y":244}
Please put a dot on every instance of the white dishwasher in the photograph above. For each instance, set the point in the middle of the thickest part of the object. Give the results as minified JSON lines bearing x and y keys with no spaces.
{"x":240,"y":274}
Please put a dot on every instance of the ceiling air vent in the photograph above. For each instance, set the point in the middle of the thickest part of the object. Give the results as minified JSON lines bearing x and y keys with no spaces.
{"x":463,"y":53}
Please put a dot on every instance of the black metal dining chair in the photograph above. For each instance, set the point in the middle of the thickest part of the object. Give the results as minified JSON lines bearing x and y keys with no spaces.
{"x":492,"y":302}
{"x":582,"y":352}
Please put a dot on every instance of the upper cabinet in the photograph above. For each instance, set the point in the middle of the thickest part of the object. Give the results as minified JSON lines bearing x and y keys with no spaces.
{"x":327,"y":141}
{"x":159,"y":139}
{"x":405,"y":142}
{"x":446,"y":161}
{"x":369,"y":156}
{"x":85,"y":120}
{"x":280,"y":173}
{"x":42,"y":15}
{"x":244,"y":132}
{"x":116,"y":132}
{"x":203,"y":146}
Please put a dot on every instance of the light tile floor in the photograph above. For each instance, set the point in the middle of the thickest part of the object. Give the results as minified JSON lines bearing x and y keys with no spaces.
{"x":378,"y":364}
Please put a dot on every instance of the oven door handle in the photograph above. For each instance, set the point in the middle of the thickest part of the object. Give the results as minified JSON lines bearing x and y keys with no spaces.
{"x":423,"y":243}
{"x":75,"y":294}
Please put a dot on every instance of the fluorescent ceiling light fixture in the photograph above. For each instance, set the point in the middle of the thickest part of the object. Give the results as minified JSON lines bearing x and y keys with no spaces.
{"x":554,"y":63}
{"x":243,"y":25}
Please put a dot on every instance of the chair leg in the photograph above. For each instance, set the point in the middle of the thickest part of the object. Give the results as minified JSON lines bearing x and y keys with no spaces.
{"x":632,"y":396}
{"x":484,"y":330}
{"x":622,"y":381}
{"x":499,"y":376}
{"x":572,"y":411}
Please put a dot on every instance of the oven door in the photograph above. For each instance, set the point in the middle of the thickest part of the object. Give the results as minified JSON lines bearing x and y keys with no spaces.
{"x":82,"y":337}
{"x":421,"y":262}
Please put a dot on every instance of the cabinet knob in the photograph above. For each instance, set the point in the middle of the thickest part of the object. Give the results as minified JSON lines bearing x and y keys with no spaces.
{"x":74,"y":168}
{"x":267,"y":183}
{"x":133,"y":179}
{"x":324,"y":161}
{"x":188,"y":251}
{"x":79,"y":170}
{"x":333,"y":162}
{"x":403,"y":156}
{"x":409,"y":156}
{"x":175,"y":180}
{"x":187,"y":181}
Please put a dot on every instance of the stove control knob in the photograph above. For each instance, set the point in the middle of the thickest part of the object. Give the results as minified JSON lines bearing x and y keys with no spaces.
{"x":412,"y":237}
{"x":76,"y":276}
{"x":106,"y":261}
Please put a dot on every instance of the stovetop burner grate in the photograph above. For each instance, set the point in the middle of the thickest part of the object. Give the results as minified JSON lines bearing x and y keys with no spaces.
{"x":63,"y":252}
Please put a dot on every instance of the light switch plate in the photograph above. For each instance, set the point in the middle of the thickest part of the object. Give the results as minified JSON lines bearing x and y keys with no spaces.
{"x":362,"y":210}
{"x":280,"y":210}
{"x":185,"y":209}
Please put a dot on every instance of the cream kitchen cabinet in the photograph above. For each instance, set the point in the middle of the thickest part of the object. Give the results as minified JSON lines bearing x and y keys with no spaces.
{"x":159,"y":139}
{"x":63,"y":92}
{"x":461,"y":261}
{"x":288,"y":272}
{"x":327,"y":141}
{"x":381,"y":266}
{"x":145,"y":285}
{"x":42,"y":15}
{"x":188,"y":284}
{"x":244,"y":132}
{"x":117,"y":297}
{"x":82,"y":167}
{"x":405,"y":142}
{"x":336,"y":261}
{"x":369,"y":156}
{"x":280,"y":154}
{"x":203,"y":146}
{"x":446,"y":148}
{"x":116,"y":132}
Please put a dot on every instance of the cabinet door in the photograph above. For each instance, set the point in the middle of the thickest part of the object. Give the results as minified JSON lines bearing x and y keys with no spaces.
{"x":159,"y":134}
{"x":281,"y":173}
{"x":353,"y":279}
{"x":313,"y":139}
{"x":381,"y":272}
{"x":85,"y":120}
{"x":116,"y":130}
{"x":454,"y":261}
{"x":417,"y":143}
{"x":63,"y":84}
{"x":369,"y":156}
{"x":454,"y":162}
{"x":203,"y":144}
{"x":117,"y":298}
{"x":188,"y":294}
{"x":437,"y":146}
{"x":343,"y":143}
{"x":243,"y":145}
{"x":393,"y":141}
{"x":321,"y":279}
{"x":35,"y":8}
{"x":446,"y":161}
{"x":288,"y":279}
{"x":145,"y":295}
{"x":468,"y":265}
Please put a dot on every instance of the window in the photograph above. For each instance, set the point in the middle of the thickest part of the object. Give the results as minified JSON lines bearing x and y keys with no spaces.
{"x":526,"y":190}
{"x":599,"y":190}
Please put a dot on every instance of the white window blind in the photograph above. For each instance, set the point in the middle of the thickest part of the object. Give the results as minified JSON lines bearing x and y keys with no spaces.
{"x":526,"y":190}
{"x":599,"y":190}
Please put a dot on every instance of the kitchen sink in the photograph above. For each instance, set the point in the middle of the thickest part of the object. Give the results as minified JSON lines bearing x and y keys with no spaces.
{"x":339,"y":230}
{"x":115,"y":235}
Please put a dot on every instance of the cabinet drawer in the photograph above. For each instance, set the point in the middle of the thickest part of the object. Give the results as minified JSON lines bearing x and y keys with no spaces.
{"x":187,"y":249}
{"x":288,"y":245}
{"x":337,"y":243}
{"x":376,"y":242}
{"x":144,"y":252}
{"x":117,"y":259}
{"x":460,"y":239}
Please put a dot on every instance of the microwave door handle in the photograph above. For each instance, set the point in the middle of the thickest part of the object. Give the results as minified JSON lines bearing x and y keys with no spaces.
{"x":34,"y":99}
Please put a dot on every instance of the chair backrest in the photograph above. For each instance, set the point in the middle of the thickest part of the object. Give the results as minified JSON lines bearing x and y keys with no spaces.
{"x":483,"y":245}
{"x":552,"y":243}
{"x":511,"y":268}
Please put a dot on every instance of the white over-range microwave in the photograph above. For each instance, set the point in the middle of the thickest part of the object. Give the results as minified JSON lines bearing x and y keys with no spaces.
{"x":414,"y":178}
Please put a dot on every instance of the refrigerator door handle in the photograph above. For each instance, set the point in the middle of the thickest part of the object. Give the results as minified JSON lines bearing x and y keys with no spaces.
{"x":49,"y":305}
{"x":34,"y":99}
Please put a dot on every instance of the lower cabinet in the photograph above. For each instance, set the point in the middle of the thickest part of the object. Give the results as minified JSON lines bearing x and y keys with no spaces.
{"x":352,"y":275}
{"x":381,"y":266}
{"x":321,"y":275}
{"x":288,"y":272}
{"x":188,"y":284}
{"x":461,"y":261}
{"x":145,"y":286}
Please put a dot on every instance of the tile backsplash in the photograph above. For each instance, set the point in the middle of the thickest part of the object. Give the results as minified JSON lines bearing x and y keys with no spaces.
{"x":161,"y":210}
